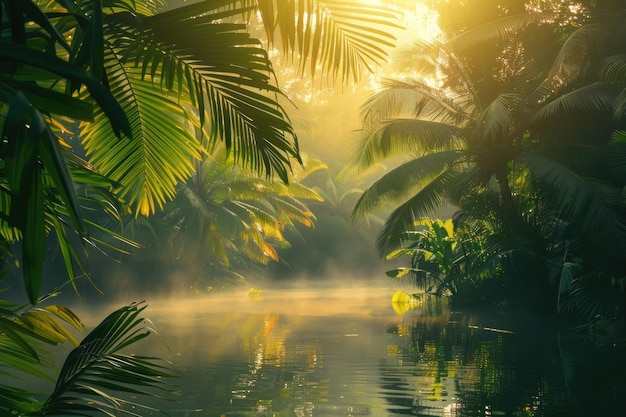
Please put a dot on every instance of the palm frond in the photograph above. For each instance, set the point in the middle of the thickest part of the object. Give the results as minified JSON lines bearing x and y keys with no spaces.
{"x":44,"y":323}
{"x":297,"y":190}
{"x":450,"y":66}
{"x":613,"y":72}
{"x":593,"y":97}
{"x":409,"y":177}
{"x":493,"y":31}
{"x":342,"y":38}
{"x":496,"y":123}
{"x":577,"y":199}
{"x":619,"y":110}
{"x":571,"y":64}
{"x":21,"y":350}
{"x":142,"y":8}
{"x":33,"y":145}
{"x":25,"y":335}
{"x":158,"y":156}
{"x":98,"y":369}
{"x":422,"y":204}
{"x":617,"y":155}
{"x":408,"y":136}
{"x":226,"y":74}
{"x":74,"y":75}
{"x":47,"y":100}
{"x":414,"y":98}
{"x":291,"y":209}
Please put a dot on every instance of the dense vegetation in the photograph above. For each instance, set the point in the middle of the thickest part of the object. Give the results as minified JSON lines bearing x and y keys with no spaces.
{"x":159,"y":129}
{"x":115,"y":108}
{"x":519,"y":123}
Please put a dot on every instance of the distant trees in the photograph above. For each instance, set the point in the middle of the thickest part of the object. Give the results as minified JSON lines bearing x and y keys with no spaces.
{"x":224,"y":223}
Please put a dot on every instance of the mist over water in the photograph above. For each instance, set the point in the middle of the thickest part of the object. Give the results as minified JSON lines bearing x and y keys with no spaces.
{"x":319,"y":350}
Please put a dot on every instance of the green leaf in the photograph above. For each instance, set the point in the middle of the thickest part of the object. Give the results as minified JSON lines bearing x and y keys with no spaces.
{"x":95,"y":373}
{"x":160,"y":155}
{"x":53,"y":102}
{"x":13,"y":331}
{"x":401,"y":272}
{"x":16,"y":53}
{"x":34,"y":240}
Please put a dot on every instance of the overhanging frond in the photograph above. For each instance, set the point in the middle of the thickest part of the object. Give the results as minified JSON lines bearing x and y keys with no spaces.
{"x":406,"y":179}
{"x":406,"y":137}
{"x":577,"y":199}
{"x":343,"y":38}
{"x":422,"y":204}
{"x":161,"y":151}
{"x":591,"y":98}
{"x":226,"y":74}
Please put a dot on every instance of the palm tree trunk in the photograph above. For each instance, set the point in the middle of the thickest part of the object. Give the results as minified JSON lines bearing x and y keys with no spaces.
{"x":506,"y":194}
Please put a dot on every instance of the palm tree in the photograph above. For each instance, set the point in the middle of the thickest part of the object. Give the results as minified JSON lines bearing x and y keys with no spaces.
{"x":225,"y":216}
{"x":468,"y":132}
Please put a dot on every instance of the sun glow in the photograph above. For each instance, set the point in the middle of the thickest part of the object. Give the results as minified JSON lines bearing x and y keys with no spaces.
{"x":420,"y":22}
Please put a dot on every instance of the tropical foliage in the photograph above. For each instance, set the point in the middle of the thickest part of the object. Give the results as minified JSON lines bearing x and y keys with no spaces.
{"x":107,"y":106}
{"x":445,"y":261}
{"x":522,"y":139}
{"x":99,"y":375}
{"x":224,"y":223}
{"x":133,"y":74}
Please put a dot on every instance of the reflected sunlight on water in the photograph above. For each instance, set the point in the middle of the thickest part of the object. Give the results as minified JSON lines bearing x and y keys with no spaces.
{"x":346,"y":352}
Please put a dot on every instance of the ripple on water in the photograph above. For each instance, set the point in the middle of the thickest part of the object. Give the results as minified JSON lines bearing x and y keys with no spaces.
{"x":311,"y":355}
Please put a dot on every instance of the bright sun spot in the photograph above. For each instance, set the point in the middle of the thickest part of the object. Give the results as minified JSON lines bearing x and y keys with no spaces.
{"x":420,"y":22}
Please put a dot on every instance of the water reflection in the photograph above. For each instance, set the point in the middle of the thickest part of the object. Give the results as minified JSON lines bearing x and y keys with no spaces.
{"x":347,"y":353}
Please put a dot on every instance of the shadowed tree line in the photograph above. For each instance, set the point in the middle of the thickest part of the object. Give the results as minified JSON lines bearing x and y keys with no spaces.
{"x":518,"y":120}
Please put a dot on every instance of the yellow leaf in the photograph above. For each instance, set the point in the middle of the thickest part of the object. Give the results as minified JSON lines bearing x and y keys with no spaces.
{"x":449,"y":227}
{"x":269,"y":250}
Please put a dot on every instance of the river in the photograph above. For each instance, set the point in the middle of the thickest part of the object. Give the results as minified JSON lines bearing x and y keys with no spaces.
{"x":349,"y":352}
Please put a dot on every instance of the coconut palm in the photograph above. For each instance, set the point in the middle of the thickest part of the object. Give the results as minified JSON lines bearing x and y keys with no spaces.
{"x":463,"y":138}
{"x":467,"y":132}
{"x":226,"y":216}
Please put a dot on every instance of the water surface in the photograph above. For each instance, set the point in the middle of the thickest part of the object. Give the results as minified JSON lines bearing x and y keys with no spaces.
{"x":347,"y":352}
